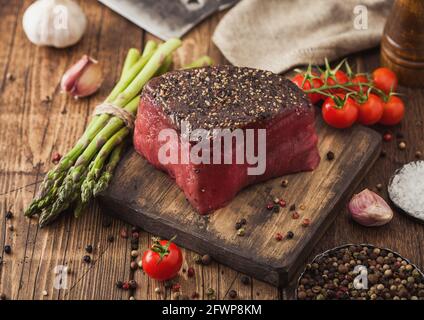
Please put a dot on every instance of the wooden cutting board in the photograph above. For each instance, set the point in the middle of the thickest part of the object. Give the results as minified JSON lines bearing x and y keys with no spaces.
{"x":144,"y":196}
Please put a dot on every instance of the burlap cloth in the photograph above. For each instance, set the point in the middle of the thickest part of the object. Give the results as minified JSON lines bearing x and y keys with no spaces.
{"x":277,"y":35}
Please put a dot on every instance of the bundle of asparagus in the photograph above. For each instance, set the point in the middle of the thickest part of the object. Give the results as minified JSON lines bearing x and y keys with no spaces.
{"x":87,"y":169}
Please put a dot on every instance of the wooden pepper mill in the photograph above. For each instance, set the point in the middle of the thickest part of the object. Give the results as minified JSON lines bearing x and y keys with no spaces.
{"x":402,"y":45}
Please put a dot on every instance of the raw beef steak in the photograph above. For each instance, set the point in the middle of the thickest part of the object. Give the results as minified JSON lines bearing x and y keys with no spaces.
{"x":232,"y":98}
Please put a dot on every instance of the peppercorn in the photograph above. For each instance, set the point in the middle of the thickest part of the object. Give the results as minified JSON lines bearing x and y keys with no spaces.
{"x":292,"y":207}
{"x":245,"y":280}
{"x":134,"y":253}
{"x":306,"y":222}
{"x":285,"y":183}
{"x":295,"y":215}
{"x":282,"y":203}
{"x":290,"y":235}
{"x":241,"y":232}
{"x":418,"y":154}
{"x":125,"y":286}
{"x":206,"y":259}
{"x":158,"y":290}
{"x":232,"y":294}
{"x":276,"y":200}
{"x":124,"y":233}
{"x":383,"y":154}
{"x":210,"y":292}
{"x":7,"y":249}
{"x":135,"y":236}
{"x":56,"y":157}
{"x":10,"y":77}
{"x":243,"y":221}
{"x":9,"y":215}
{"x":301,"y":295}
{"x":379,"y":186}
{"x":110,"y":238}
{"x":176,"y":287}
{"x":131,"y":298}
{"x":133,"y":265}
{"x":278,"y":236}
{"x":132,"y":284}
{"x":87,"y":259}
{"x":195,"y":295}
{"x":197,"y":259}
{"x":387,"y":137}
{"x":190,"y":272}
{"x":11,"y":228}
{"x":330,"y":155}
{"x":270,"y":206}
{"x":238,"y":225}
{"x":276,"y":209}
{"x":3,"y":296}
{"x":402,"y":145}
{"x":89,"y":248}
{"x":119,"y":284}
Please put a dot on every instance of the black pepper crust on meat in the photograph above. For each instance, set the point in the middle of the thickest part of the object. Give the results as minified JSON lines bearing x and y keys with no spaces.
{"x":224,"y":96}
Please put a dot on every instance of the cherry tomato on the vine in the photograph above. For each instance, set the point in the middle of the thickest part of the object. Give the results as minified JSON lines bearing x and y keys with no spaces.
{"x":394,"y":111}
{"x":370,"y":111}
{"x":163,"y":260}
{"x":360,"y":78}
{"x":385,"y":79}
{"x":335,"y":78}
{"x":307,"y":85}
{"x":342,"y":116}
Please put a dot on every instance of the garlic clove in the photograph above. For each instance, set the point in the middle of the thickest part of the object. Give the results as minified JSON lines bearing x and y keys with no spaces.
{"x":369,"y":209}
{"x":82,"y":79}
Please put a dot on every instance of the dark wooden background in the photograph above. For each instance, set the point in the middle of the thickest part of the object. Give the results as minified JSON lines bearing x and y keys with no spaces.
{"x":37,"y":120}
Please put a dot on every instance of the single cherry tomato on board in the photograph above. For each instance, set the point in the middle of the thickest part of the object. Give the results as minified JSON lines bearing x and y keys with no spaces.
{"x":335,"y":78}
{"x":393,"y":111}
{"x":163,"y":260}
{"x":360,"y":78}
{"x":385,"y":79}
{"x":370,"y":111}
{"x":341,"y":112}
{"x":307,"y":85}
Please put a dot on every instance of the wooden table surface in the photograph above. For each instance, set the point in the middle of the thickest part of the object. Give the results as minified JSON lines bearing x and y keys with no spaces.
{"x":37,"y":120}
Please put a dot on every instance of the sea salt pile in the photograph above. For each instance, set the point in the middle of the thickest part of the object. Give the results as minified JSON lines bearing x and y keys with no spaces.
{"x":406,"y":189}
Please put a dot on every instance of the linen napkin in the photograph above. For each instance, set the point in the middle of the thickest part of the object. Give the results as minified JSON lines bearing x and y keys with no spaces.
{"x":277,"y":35}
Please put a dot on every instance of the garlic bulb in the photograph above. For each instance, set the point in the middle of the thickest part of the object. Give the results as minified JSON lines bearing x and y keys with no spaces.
{"x":369,"y":209}
{"x":57,"y":23}
{"x":83,"y":78}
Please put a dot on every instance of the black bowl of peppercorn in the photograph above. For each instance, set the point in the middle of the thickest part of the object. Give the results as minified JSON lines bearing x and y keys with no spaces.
{"x":360,"y":272}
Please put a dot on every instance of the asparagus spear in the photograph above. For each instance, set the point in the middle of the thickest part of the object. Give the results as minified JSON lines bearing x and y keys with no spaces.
{"x":131,"y":59}
{"x":203,"y":61}
{"x":54,"y":177}
{"x":65,"y":193}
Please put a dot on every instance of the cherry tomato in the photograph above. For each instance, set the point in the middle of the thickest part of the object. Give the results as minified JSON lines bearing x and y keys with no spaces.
{"x":371,"y":111}
{"x":360,"y":79}
{"x":316,"y":83}
{"x":385,"y":79}
{"x":163,"y":260}
{"x":338,"y":77}
{"x":394,"y":110}
{"x":340,"y":117}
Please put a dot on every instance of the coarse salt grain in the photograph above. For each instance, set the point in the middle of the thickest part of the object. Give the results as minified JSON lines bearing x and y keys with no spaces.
{"x":406,"y":188}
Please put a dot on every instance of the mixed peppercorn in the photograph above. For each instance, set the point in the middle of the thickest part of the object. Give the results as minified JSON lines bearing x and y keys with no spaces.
{"x":361,"y":272}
